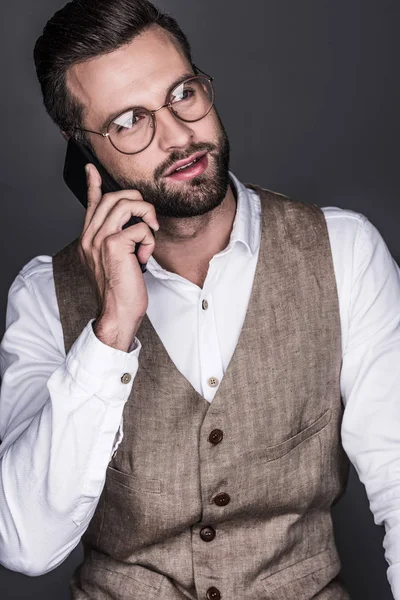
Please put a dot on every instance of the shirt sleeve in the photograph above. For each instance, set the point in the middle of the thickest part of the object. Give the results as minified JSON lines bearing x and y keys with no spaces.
{"x":370,"y":383}
{"x":60,"y":422}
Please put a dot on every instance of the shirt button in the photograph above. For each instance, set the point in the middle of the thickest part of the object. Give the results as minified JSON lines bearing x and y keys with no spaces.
{"x":213,"y":382}
{"x":126,"y":378}
{"x":222,"y":499}
{"x":215,"y":436}
{"x":207,"y":534}
{"x":204,"y":305}
{"x":213,"y":593}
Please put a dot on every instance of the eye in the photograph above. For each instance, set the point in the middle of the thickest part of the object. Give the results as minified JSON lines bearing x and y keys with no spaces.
{"x":182,"y":94}
{"x":128,"y":121}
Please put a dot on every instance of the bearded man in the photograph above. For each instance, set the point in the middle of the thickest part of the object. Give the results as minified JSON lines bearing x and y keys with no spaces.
{"x":192,"y":423}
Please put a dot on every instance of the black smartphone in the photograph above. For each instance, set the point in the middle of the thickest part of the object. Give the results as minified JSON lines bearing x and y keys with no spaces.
{"x":76,"y":158}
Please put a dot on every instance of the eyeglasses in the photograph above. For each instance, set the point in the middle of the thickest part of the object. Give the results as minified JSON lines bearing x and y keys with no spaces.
{"x":133,"y":130}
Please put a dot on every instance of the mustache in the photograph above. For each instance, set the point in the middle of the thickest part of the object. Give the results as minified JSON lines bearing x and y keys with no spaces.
{"x":175,"y":156}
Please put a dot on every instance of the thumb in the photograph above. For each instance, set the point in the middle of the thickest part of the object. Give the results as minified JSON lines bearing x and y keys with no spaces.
{"x":94,"y":192}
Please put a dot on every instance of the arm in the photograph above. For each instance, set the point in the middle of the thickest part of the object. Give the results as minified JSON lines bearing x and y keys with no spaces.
{"x":370,"y":383}
{"x":59,"y":421}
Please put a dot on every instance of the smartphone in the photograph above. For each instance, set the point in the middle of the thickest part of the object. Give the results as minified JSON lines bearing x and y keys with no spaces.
{"x":76,"y":158}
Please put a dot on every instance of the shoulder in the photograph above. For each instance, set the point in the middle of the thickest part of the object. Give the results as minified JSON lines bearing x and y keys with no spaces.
{"x":36,"y":279}
{"x":32,"y":302}
{"x":345,"y":229}
{"x":303,"y":220}
{"x":37,"y":267}
{"x":38,"y":273}
{"x":343,"y":223}
{"x":353,"y":236}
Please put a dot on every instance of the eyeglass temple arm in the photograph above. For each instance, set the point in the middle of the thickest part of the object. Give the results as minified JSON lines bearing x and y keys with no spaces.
{"x":197,"y":69}
{"x":91,"y":131}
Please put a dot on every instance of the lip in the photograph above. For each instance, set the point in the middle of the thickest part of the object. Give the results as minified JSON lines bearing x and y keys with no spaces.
{"x":195,"y":170}
{"x":181,"y":163}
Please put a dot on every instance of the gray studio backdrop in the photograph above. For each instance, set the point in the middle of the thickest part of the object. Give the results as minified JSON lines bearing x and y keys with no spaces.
{"x":309,"y":93}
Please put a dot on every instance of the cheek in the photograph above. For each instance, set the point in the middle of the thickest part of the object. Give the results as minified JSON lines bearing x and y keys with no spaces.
{"x":211,"y":130}
{"x":134,"y":166}
{"x":109,"y":157}
{"x":129,"y":167}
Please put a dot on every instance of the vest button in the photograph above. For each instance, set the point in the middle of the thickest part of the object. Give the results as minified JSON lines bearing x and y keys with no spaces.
{"x":213,"y":593}
{"x":207,"y":534}
{"x":215,"y":436}
{"x":222,"y":499}
{"x":213,"y":382}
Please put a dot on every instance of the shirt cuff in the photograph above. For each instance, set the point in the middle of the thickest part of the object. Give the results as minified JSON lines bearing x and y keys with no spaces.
{"x":101,"y":369}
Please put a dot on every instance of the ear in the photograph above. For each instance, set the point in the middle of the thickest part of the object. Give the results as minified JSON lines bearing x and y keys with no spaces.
{"x":65,"y":135}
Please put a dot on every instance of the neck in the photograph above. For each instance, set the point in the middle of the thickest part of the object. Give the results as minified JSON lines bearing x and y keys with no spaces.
{"x":186,"y":246}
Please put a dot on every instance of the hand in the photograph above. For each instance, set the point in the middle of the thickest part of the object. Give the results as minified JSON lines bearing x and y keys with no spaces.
{"x":107,"y":251}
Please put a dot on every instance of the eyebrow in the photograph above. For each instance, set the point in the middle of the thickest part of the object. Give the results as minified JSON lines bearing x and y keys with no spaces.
{"x":121,"y":111}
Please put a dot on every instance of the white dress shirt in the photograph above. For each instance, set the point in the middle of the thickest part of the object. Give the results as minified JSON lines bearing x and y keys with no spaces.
{"x":61,"y":416}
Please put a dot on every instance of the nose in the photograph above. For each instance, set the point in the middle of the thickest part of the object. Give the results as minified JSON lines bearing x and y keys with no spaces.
{"x":171,"y":131}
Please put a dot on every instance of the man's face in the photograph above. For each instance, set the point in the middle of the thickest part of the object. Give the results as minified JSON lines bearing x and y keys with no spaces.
{"x":140,"y":74}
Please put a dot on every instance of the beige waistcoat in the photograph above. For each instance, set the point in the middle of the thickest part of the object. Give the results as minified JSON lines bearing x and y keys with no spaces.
{"x":231,"y":499}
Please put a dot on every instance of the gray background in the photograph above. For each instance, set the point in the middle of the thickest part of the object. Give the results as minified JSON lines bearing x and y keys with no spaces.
{"x":309,"y":94}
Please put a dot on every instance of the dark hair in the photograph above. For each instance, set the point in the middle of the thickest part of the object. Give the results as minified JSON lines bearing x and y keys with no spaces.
{"x":81,"y":30}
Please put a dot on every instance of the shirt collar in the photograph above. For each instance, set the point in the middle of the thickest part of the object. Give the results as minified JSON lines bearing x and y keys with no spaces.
{"x":246,"y":225}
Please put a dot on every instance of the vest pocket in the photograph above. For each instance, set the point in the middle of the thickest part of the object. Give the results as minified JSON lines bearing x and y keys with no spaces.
{"x":132,"y":482}
{"x":304,"y":579}
{"x":128,"y":581}
{"x":278,"y":451}
{"x":131,"y":504}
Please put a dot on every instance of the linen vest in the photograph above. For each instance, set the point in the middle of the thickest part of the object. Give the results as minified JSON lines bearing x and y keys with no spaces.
{"x":228,"y":500}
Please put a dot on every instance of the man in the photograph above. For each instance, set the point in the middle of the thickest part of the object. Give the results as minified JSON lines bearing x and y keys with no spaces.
{"x":187,"y":423}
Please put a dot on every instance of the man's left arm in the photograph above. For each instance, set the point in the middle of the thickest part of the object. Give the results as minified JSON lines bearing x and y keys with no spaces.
{"x":370,"y":384}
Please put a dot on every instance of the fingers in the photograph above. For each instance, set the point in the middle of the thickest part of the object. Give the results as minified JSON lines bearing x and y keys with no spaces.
{"x":118,"y":212}
{"x":105,"y":217}
{"x":137,"y":234}
{"x":107,"y":250}
{"x":146,"y":248}
{"x":100,"y":207}
{"x":94,"y":193}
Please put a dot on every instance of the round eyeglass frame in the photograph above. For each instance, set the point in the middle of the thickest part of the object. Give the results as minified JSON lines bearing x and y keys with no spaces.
{"x":152,"y":113}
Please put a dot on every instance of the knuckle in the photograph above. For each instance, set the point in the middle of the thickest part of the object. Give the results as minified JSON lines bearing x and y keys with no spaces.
{"x":124,"y":203}
{"x":111,"y":242}
{"x":107,"y":196}
{"x":121,"y":205}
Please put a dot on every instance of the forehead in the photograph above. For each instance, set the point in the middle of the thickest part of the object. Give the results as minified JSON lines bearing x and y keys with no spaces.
{"x":138,"y":73}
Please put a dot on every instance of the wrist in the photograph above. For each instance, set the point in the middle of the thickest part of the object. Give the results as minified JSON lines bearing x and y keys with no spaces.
{"x":114,"y":333}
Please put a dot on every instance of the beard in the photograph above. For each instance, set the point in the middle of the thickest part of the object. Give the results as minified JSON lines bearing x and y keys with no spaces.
{"x":198,"y":195}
